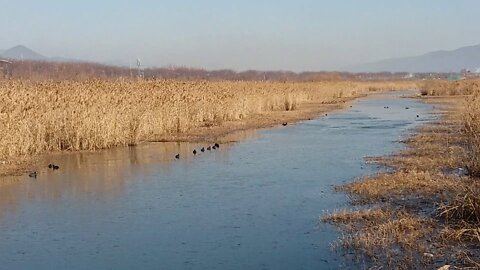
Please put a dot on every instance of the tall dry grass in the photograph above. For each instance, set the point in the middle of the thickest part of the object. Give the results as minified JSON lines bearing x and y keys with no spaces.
{"x":472,"y":130}
{"x":38,"y":117}
{"x":470,"y":113}
{"x":448,"y":88}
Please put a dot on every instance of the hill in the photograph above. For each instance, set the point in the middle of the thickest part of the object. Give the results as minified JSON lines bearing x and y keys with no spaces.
{"x":21,"y":52}
{"x":438,"y":61}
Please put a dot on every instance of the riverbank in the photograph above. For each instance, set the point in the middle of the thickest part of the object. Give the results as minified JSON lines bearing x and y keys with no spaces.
{"x":425,"y":213}
{"x":207,"y":134}
{"x":50,"y":117}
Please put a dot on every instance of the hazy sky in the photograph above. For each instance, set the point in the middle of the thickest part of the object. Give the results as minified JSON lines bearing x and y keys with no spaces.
{"x":261,"y":34}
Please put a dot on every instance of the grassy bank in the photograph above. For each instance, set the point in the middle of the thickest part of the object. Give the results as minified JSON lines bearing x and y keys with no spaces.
{"x":44,"y":117}
{"x":425,"y":214}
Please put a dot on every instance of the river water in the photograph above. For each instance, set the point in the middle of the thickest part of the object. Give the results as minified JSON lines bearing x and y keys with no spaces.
{"x":252,"y":204}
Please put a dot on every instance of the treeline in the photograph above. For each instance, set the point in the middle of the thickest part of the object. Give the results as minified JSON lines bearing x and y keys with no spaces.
{"x":40,"y":70}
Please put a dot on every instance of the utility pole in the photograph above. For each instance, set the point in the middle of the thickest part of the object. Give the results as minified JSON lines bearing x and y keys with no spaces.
{"x":139,"y":68}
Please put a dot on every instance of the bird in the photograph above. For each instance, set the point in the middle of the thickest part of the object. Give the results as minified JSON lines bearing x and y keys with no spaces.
{"x":214,"y":147}
{"x":326,"y":114}
{"x":32,"y":175}
{"x":203,"y":149}
{"x":284,"y":124}
{"x":418,"y":115}
{"x":194,"y":151}
{"x":177,"y":156}
{"x":406,"y":108}
{"x":209,"y":148}
{"x":217,"y":145}
{"x":53,"y":167}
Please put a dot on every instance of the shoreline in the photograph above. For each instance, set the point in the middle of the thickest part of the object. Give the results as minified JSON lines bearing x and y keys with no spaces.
{"x":305,"y":111}
{"x":410,"y":216}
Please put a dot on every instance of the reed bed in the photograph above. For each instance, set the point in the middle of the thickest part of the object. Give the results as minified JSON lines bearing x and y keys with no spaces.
{"x":40,"y":117}
{"x":471,"y":118}
{"x":448,"y":88}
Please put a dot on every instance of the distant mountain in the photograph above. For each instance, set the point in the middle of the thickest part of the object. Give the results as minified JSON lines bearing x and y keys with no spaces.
{"x":438,"y":61}
{"x":21,"y":52}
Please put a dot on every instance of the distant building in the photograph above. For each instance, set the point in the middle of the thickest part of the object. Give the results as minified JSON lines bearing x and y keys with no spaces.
{"x":467,"y":73}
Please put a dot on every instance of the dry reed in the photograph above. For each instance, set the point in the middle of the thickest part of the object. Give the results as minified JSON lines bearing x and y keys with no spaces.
{"x":384,"y":236}
{"x":40,"y":117}
{"x":472,"y":130}
{"x":448,"y":88}
{"x":401,"y":185}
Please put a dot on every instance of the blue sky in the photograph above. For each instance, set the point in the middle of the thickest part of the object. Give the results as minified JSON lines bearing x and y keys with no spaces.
{"x":263,"y":34}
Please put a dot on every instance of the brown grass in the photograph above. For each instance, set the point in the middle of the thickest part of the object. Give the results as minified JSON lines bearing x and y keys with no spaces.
{"x":471,"y":117}
{"x":384,"y":241}
{"x":463,"y":234}
{"x":384,"y":236}
{"x":464,"y":206}
{"x":400,"y":185}
{"x":448,"y":88}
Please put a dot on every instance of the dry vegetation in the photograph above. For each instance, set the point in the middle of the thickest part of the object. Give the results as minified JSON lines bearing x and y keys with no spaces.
{"x":78,"y":71}
{"x":446,"y":88}
{"x":472,"y":132}
{"x":41,"y":117}
{"x":425,"y":213}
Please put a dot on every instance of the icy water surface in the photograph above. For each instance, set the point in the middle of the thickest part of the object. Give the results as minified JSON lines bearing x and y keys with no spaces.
{"x":253,"y":204}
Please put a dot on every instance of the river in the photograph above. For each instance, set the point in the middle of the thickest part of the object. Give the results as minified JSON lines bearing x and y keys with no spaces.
{"x":252,"y":204}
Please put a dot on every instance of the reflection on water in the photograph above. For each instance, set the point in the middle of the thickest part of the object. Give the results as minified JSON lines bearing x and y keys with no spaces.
{"x":249,"y":205}
{"x":104,"y":172}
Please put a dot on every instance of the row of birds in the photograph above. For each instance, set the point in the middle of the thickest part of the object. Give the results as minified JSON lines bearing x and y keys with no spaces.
{"x":203,"y":149}
{"x":386,"y":107}
{"x":53,"y":167}
{"x":177,"y":156}
{"x":406,"y":108}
